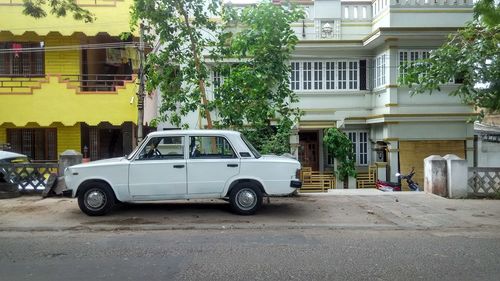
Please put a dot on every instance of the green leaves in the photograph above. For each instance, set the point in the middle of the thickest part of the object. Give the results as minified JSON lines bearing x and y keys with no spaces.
{"x":339,"y":145}
{"x":255,"y":96}
{"x":59,"y":8}
{"x":471,"y":56}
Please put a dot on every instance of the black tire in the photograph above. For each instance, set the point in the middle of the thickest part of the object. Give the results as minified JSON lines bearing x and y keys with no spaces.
{"x":96,"y":199}
{"x":245,"y":199}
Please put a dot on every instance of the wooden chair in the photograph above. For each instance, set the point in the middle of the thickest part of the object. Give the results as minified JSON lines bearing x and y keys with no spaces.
{"x":367,"y":180}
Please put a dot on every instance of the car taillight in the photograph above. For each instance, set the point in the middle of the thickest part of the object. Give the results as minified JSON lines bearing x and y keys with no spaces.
{"x":297,"y":174}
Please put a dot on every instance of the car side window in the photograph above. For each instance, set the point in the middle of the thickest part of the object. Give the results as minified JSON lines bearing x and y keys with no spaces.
{"x":163,"y":148}
{"x":210,"y":147}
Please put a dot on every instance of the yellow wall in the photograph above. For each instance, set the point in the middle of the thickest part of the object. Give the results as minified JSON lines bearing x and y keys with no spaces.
{"x":62,"y":62}
{"x":68,"y":137}
{"x":55,"y":102}
{"x":56,"y":62}
{"x":112,"y":18}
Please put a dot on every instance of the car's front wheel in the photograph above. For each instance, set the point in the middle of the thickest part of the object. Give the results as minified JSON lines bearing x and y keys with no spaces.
{"x":245,"y":199}
{"x":96,"y":199}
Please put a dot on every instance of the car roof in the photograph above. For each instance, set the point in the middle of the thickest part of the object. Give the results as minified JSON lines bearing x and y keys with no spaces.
{"x":194,"y":132}
{"x":8,"y":154}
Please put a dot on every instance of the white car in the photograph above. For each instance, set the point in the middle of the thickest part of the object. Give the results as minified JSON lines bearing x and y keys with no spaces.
{"x":184,"y":164}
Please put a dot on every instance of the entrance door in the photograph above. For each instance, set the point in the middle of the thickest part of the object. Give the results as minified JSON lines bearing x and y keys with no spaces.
{"x":309,"y":150}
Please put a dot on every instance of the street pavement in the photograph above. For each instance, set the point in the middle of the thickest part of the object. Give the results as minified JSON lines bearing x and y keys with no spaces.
{"x":349,"y":209}
{"x":340,"y":235}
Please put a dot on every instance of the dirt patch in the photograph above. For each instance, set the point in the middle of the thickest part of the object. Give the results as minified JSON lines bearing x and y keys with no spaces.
{"x":23,"y":209}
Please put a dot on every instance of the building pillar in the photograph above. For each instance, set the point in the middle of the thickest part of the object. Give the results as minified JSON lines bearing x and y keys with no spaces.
{"x":393,"y":159}
{"x":294,"y":142}
{"x":435,"y":175}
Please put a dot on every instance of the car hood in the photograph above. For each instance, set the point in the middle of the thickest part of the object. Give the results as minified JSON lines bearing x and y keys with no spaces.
{"x":102,"y":162}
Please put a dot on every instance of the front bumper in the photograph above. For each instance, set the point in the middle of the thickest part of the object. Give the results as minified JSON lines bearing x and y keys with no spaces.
{"x":67,"y":193}
{"x":295,"y":184}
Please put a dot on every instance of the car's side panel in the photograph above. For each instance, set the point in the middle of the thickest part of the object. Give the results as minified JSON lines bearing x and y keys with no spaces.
{"x":209,"y":176}
{"x":157,"y":179}
{"x":115,"y":175}
{"x":275,"y":176}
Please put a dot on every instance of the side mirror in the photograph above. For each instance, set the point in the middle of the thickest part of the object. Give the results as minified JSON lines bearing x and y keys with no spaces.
{"x":397,"y":174}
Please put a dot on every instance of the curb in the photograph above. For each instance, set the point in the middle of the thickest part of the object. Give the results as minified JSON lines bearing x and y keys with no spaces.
{"x":211,"y":227}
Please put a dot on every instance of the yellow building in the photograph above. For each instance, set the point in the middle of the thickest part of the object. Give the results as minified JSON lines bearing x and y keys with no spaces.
{"x":66,"y":84}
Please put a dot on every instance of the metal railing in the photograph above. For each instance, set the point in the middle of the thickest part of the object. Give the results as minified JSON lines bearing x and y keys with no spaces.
{"x":483,"y":181}
{"x":30,"y":177}
{"x":84,"y":83}
{"x":97,"y":82}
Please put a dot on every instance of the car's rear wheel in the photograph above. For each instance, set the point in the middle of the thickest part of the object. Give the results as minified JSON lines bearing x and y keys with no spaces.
{"x":245,"y":199}
{"x":96,"y":199}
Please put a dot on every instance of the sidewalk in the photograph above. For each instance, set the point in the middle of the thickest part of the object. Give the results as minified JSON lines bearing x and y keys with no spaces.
{"x":339,"y":209}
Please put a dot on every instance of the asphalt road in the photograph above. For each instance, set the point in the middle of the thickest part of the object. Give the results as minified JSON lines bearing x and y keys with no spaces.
{"x":311,"y":254}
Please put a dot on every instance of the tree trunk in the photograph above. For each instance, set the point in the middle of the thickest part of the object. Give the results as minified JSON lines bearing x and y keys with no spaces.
{"x":197,"y":65}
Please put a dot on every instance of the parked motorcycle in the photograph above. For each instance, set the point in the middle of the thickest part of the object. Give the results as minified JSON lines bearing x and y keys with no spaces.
{"x":396,"y":186}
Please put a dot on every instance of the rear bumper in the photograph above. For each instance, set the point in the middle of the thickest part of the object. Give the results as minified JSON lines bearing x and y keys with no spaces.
{"x":295,"y":184}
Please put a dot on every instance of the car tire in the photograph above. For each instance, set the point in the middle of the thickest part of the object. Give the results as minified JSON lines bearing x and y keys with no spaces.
{"x":245,"y":198}
{"x":9,"y":190}
{"x":96,"y":199}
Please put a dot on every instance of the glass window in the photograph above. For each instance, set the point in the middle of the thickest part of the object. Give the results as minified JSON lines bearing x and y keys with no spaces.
{"x":360,"y":146}
{"x":295,"y":79}
{"x":21,"y":59}
{"x":330,"y":75}
{"x":163,"y":148}
{"x":318,"y":75}
{"x":36,"y":143}
{"x":342,"y":75}
{"x":209,"y":147}
{"x":307,"y":76}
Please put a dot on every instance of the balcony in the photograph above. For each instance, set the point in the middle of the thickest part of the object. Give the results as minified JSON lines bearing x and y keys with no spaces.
{"x":83,"y":84}
{"x":379,"y":6}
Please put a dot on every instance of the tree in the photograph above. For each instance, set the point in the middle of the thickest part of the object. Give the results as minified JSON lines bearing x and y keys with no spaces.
{"x":340,"y":146}
{"x":182,"y":29}
{"x":256,"y":92}
{"x":59,"y":8}
{"x":471,"y":55}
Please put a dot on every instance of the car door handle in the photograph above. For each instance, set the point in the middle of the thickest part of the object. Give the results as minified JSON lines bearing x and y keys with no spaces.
{"x":232,"y":165}
{"x":178,"y":166}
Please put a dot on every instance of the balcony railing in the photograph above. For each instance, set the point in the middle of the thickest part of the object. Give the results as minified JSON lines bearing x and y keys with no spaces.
{"x":88,"y":83}
{"x":97,"y":82}
{"x":380,"y":5}
{"x":82,"y":3}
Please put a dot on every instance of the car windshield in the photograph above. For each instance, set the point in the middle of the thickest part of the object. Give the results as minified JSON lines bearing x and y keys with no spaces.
{"x":250,"y":146}
{"x":129,"y":157}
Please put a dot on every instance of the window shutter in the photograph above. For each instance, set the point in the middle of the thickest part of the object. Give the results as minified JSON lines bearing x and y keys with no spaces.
{"x":362,"y":75}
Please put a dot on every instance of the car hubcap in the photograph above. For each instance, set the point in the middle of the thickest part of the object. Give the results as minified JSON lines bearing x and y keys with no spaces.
{"x":246,"y":199}
{"x":95,"y":199}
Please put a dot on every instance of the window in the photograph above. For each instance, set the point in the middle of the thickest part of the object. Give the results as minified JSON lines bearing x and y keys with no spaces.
{"x":380,"y":70}
{"x":330,"y":75}
{"x":410,"y":56}
{"x":217,"y":80}
{"x":21,"y":59}
{"x":163,"y":148}
{"x":210,"y":147}
{"x":38,"y":144}
{"x":306,"y":75}
{"x":360,"y":146}
{"x":355,"y":12}
{"x":318,"y":75}
{"x":326,"y":75}
{"x":353,"y":75}
{"x":342,"y":75}
{"x":295,"y":79}
{"x":364,"y":12}
{"x":346,"y":12}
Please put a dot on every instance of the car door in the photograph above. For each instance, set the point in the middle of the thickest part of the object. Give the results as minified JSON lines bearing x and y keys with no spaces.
{"x":159,"y":170}
{"x":211,"y":163}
